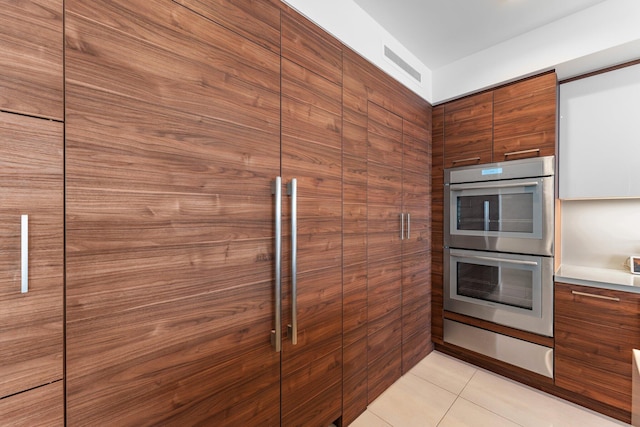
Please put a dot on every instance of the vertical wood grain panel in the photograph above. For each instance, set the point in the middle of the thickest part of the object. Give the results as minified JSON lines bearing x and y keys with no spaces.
{"x":437,"y":223}
{"x":31,"y":42}
{"x":416,"y":187}
{"x":383,"y":90}
{"x":374,"y":99}
{"x":312,"y":153}
{"x":384,"y":290}
{"x":172,"y":143}
{"x":416,"y":248}
{"x":311,"y":47}
{"x":468,"y":130}
{"x":31,"y":183}
{"x":354,"y":380}
{"x":385,"y":138}
{"x":355,"y":241}
{"x":525,"y":118}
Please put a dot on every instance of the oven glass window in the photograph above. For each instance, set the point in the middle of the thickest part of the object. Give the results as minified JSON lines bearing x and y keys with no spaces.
{"x":503,"y":285}
{"x":496,"y":212}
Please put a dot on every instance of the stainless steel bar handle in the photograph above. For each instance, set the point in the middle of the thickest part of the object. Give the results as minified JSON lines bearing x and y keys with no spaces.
{"x":483,"y":186}
{"x":584,"y":294}
{"x":24,"y":253}
{"x":487,"y":207}
{"x":408,"y":226}
{"x":517,"y":153}
{"x":276,"y":334}
{"x":401,"y":226}
{"x":293,"y":327}
{"x":508,"y":261}
{"x":470,"y":159}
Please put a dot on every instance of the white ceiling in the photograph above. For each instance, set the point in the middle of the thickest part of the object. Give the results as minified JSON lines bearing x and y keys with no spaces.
{"x":439,"y":32}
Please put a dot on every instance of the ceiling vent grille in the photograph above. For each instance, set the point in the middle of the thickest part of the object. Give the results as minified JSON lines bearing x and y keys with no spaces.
{"x":395,"y":58}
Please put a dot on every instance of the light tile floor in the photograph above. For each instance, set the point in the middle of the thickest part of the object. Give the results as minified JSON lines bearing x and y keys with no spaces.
{"x":445,"y":392}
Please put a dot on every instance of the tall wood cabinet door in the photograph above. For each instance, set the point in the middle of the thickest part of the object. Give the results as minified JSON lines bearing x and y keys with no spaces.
{"x":525,"y":119}
{"x":416,"y":245}
{"x":468,"y":130}
{"x":312,"y":156}
{"x":437,"y":223}
{"x":172,"y":143}
{"x":31,"y":253}
{"x":354,"y":307}
{"x":384,"y":206}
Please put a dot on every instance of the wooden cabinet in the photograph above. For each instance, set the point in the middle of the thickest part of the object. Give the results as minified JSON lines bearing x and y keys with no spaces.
{"x":178,"y":116}
{"x":468,"y":130}
{"x":31,"y":42}
{"x":511,"y":122}
{"x":172,"y":145}
{"x":416,"y":245}
{"x":170,"y":233}
{"x":524,"y":118}
{"x":384,"y":208}
{"x":386,"y":314}
{"x":31,"y":258}
{"x":311,"y":153}
{"x":31,"y":213}
{"x":437,"y":224}
{"x":355,"y":237}
{"x":595,"y":333}
{"x":399,"y":316}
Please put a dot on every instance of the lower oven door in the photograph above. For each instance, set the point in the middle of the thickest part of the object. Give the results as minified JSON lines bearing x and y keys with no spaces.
{"x":508,"y":289}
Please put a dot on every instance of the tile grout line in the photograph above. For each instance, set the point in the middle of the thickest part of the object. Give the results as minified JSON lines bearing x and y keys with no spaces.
{"x":380,"y":418}
{"x":480,"y":406}
{"x":448,"y":409}
{"x":475,"y":371}
{"x":457,"y":397}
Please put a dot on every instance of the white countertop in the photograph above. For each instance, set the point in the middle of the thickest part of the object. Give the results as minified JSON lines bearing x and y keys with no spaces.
{"x":621,"y":280}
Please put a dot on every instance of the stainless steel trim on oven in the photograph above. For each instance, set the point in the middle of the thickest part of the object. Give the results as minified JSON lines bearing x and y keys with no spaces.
{"x":527,"y":355}
{"x":505,"y":206}
{"x":514,"y":290}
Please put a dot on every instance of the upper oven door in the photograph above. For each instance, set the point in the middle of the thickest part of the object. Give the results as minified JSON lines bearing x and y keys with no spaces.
{"x":514,"y":215}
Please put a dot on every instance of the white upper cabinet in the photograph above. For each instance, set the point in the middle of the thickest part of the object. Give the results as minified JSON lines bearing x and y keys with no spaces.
{"x":599,"y":144}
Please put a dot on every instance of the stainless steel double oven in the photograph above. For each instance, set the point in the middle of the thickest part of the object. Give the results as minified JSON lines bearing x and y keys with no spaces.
{"x":498,"y":259}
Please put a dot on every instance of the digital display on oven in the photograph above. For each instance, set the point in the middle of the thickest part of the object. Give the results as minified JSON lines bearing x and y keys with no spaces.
{"x":493,"y":171}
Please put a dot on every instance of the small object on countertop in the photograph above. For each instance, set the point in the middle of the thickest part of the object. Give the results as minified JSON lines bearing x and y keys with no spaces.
{"x":633,"y":262}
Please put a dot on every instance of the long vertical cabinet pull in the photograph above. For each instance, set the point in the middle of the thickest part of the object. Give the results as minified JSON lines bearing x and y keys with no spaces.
{"x":408,"y":226}
{"x":276,"y":334}
{"x":24,"y":253}
{"x":402,"y":226}
{"x":486,"y":208}
{"x":292,"y":189}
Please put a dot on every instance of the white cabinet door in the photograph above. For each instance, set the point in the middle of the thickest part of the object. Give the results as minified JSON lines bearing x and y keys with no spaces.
{"x":599,"y":148}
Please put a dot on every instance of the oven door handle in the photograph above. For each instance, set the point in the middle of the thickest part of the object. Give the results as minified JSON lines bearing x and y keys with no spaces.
{"x":508,"y":261}
{"x":481,"y":186}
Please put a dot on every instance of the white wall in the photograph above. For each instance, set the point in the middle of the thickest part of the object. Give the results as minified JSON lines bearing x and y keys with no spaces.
{"x":346,"y":21}
{"x":602,"y":35}
{"x":600,"y":233}
{"x":563,"y":45}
